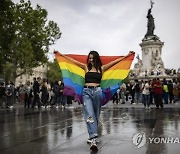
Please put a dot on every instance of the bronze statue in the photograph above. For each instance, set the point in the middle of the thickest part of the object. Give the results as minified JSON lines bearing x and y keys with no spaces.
{"x":150,"y":24}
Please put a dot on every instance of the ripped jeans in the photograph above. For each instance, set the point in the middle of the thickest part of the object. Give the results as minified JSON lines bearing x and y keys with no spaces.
{"x":92,"y":98}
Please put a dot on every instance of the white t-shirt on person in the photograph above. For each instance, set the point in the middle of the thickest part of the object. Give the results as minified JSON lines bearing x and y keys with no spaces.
{"x":146,"y":89}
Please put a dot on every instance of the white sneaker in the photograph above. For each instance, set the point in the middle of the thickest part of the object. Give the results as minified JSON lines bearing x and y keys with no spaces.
{"x":10,"y":107}
{"x":89,"y":141}
{"x":48,"y":106}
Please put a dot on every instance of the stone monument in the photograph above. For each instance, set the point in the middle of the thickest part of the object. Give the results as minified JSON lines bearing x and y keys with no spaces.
{"x":151,"y":46}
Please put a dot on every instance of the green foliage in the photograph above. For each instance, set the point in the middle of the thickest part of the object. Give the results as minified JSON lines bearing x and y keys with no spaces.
{"x":29,"y":38}
{"x":7,"y":30}
{"x":8,"y":71}
{"x":54,"y":72}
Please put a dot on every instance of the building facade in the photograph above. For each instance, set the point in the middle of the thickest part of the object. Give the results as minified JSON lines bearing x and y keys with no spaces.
{"x":40,"y":71}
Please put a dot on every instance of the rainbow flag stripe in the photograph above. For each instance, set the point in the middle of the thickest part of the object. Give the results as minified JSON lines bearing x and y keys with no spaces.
{"x":73,"y":75}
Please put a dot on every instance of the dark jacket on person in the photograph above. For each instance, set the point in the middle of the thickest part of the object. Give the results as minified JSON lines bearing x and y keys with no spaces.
{"x":36,"y":87}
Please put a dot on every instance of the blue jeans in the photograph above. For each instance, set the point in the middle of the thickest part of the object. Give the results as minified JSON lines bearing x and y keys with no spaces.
{"x":64,"y":100}
{"x":92,"y":98}
{"x":146,"y":101}
{"x":137,"y":98}
{"x":165,"y":97}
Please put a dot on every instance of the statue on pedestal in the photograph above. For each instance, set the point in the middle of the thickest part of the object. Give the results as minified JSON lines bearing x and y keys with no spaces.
{"x":151,"y":64}
{"x":150,"y":24}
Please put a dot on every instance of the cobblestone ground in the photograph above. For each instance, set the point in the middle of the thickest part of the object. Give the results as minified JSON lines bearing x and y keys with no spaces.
{"x":124,"y":129}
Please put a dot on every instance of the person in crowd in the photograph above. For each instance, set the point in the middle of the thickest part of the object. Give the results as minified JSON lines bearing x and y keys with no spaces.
{"x":146,"y":94}
{"x":36,"y":93}
{"x":137,"y":90}
{"x":115,"y":98}
{"x":21,"y":93}
{"x":151,"y":98}
{"x":165,"y":91}
{"x":127,"y":93}
{"x":9,"y":94}
{"x":123,"y":93}
{"x":170,"y":91}
{"x":44,"y":93}
{"x":63,"y":98}
{"x":2,"y":95}
{"x":57,"y":94}
{"x":50,"y":95}
{"x":132,"y":92}
{"x":157,"y":91}
{"x":28,"y":95}
{"x":176,"y":91}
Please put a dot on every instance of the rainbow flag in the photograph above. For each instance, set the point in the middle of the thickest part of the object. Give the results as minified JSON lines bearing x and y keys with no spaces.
{"x":73,"y":75}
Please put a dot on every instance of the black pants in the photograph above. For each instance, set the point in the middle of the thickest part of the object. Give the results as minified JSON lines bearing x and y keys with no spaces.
{"x":171,"y":97}
{"x":9,"y":101}
{"x":36,"y":100}
{"x":2,"y":101}
{"x":132,"y":94}
{"x":27,"y":101}
{"x":158,"y":100}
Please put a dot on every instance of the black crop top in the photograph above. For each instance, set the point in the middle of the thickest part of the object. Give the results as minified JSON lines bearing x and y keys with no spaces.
{"x":93,"y":77}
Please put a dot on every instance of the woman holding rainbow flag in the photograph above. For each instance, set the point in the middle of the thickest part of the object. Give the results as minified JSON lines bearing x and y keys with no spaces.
{"x":92,"y":95}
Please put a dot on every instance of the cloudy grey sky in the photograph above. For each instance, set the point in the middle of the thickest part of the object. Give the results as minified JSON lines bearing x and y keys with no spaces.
{"x":114,"y":27}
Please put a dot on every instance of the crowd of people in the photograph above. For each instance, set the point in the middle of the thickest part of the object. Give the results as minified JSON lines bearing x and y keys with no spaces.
{"x":41,"y":94}
{"x":147,"y":92}
{"x":36,"y":94}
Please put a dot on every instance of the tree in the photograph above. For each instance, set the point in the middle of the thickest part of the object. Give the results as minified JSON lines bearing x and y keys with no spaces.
{"x":7,"y":31}
{"x":33,"y":35}
{"x":54,"y":73}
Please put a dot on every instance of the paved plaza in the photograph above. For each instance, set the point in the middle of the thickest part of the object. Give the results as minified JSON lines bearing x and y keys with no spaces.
{"x":124,"y":129}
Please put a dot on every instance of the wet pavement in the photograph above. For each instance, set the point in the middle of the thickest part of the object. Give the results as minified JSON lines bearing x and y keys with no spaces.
{"x":124,"y":129}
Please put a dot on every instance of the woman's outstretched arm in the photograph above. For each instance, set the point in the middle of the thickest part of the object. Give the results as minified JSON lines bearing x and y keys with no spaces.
{"x":82,"y":65}
{"x":107,"y":66}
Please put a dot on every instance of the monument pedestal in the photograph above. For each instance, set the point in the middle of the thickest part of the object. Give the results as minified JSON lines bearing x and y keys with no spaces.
{"x":151,"y":53}
{"x":151,"y":63}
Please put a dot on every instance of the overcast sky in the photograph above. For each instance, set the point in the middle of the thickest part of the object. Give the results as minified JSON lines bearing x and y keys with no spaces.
{"x":114,"y":27}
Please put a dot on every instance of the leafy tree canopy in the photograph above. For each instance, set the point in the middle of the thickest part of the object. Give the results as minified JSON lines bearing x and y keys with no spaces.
{"x":26,"y":35}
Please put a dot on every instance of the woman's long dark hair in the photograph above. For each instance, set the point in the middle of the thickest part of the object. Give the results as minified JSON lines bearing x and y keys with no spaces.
{"x":96,"y":60}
